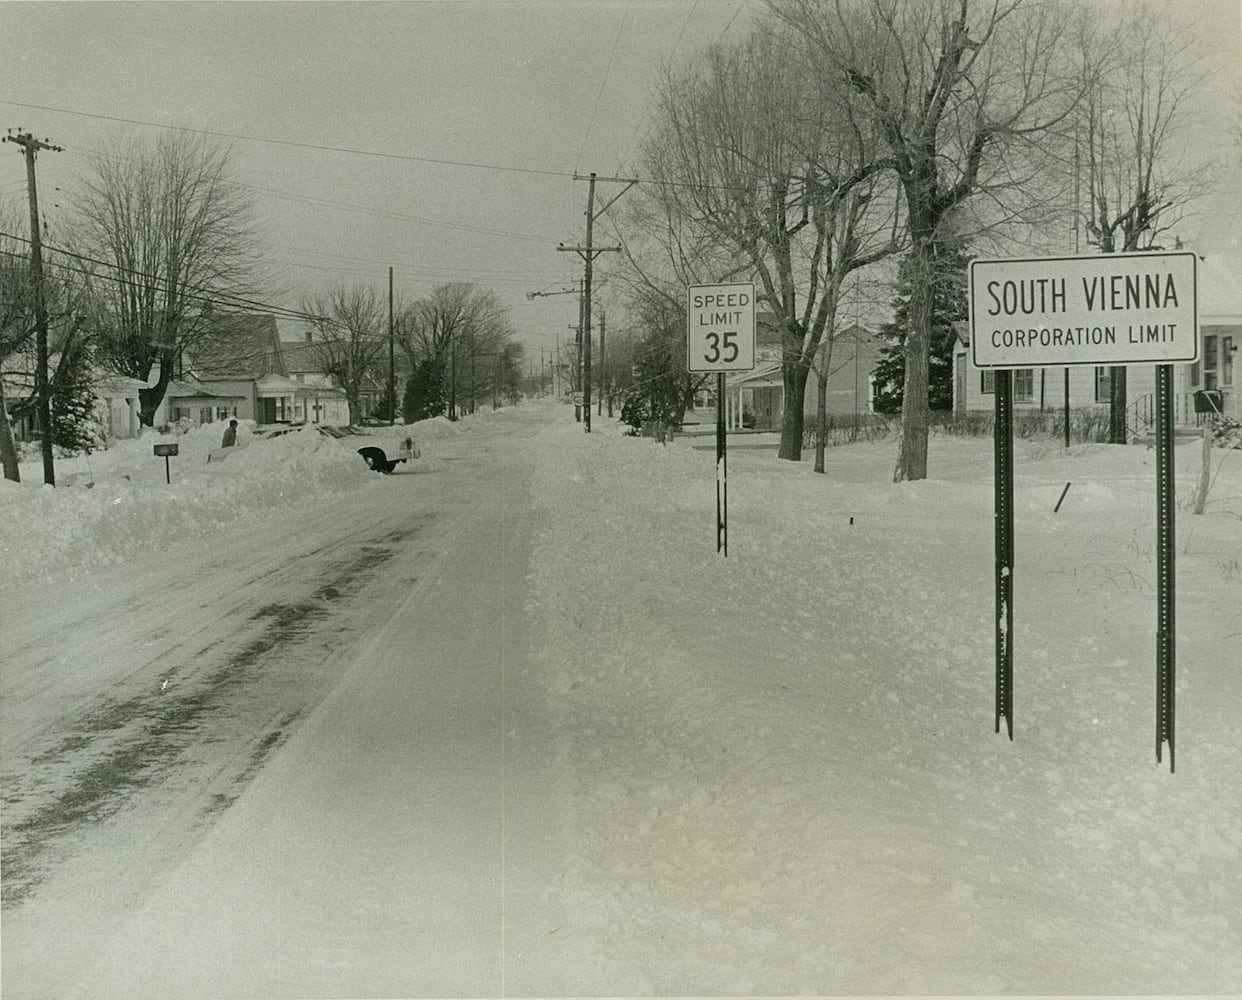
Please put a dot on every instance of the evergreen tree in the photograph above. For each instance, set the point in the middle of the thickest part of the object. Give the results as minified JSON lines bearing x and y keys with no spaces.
{"x":75,"y":424}
{"x":662,"y":387}
{"x":424,"y":391}
{"x":949,"y":306}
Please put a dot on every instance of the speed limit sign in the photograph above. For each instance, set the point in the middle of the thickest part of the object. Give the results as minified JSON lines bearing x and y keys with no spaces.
{"x":720,"y":328}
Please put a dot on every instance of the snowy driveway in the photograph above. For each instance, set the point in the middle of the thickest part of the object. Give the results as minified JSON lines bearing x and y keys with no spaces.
{"x":277,"y":765}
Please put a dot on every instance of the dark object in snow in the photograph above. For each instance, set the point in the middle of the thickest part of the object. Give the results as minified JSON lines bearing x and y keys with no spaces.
{"x":377,"y":460}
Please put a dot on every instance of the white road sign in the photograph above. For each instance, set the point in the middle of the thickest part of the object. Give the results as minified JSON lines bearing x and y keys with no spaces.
{"x":1108,"y":309}
{"x":720,"y":328}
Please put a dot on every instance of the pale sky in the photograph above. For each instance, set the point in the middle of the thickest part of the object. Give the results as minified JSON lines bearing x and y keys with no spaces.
{"x":530,"y":92}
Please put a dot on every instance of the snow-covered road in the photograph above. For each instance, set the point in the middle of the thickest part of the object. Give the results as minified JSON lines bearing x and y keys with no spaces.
{"x":506,"y":724}
{"x":321,"y":778}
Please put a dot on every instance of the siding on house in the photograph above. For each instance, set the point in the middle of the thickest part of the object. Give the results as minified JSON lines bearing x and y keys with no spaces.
{"x":757,"y":398}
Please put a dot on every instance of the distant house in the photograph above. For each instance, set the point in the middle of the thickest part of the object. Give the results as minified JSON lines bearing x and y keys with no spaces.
{"x":117,"y":406}
{"x":1220,"y":333}
{"x":194,"y":401}
{"x":320,"y":401}
{"x":116,"y":396}
{"x":757,"y":398}
{"x":222,"y":371}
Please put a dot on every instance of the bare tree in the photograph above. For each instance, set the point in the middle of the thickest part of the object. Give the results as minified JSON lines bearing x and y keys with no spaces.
{"x":16,"y":329}
{"x":1130,"y":141}
{"x":754,"y":164}
{"x":456,"y":326}
{"x":169,"y":231}
{"x":351,"y":340}
{"x":959,"y":91}
{"x":64,"y":301}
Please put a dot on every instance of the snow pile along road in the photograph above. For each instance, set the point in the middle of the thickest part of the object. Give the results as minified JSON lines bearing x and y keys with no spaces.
{"x":116,"y":504}
{"x":784,"y":776}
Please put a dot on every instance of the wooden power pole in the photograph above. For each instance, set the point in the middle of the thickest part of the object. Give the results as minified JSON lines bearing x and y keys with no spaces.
{"x":43,"y":394}
{"x":588,"y":254}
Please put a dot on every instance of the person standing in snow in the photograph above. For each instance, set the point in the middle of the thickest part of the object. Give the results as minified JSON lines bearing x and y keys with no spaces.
{"x":230,"y":435}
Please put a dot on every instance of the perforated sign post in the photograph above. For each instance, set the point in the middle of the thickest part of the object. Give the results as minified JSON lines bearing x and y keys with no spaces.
{"x":720,"y":338}
{"x":1115,"y":309}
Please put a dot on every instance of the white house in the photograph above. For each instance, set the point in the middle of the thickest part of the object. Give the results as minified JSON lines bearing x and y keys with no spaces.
{"x":757,"y":398}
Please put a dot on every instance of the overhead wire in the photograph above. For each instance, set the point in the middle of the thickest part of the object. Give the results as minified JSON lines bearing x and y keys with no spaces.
{"x":603,"y":84}
{"x":195,"y":293}
{"x":378,"y":154}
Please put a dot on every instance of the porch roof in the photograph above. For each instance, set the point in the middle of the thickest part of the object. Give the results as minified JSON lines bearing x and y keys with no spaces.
{"x":275,"y":386}
{"x":761,"y":377}
{"x":196,"y":390}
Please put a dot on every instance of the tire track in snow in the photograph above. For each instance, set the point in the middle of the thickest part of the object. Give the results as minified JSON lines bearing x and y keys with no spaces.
{"x":119,"y":748}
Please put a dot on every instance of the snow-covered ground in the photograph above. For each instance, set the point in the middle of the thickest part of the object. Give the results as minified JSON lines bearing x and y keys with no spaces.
{"x":776,"y":772}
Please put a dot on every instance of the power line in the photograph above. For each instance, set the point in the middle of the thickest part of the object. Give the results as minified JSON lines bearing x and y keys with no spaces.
{"x":296,"y":145}
{"x":603,"y":83}
{"x":194,"y":293}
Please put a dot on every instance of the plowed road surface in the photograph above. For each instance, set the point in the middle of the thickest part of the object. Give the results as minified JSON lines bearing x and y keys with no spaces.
{"x":298,"y":762}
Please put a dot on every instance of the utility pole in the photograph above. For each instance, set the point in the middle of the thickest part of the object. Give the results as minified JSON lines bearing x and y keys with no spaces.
{"x":588,"y":253}
{"x":43,"y":394}
{"x":392,"y":359}
{"x":563,"y":291}
{"x":603,"y":369}
{"x":452,"y":413}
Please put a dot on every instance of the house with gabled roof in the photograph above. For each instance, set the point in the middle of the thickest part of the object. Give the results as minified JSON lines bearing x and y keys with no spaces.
{"x":757,"y":398}
{"x":320,"y":400}
{"x":238,"y":368}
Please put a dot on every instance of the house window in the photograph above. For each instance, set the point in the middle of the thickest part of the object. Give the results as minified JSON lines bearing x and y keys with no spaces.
{"x":204,"y":415}
{"x":1209,"y":362}
{"x":222,"y":413}
{"x":1103,"y":385}
{"x":1226,"y":360}
{"x":1024,"y":385}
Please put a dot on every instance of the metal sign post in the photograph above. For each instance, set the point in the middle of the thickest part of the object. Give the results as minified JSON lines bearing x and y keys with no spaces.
{"x":722,"y":476}
{"x":1004,"y":549}
{"x":1106,"y":310}
{"x":1166,"y":502}
{"x":720,"y":338}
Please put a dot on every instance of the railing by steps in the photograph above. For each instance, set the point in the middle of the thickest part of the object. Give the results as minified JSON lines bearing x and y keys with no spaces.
{"x":1141,"y":414}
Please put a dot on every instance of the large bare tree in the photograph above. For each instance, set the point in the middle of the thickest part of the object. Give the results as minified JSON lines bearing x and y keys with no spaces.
{"x":759,"y":171}
{"x":168,"y":230}
{"x":960,"y":90}
{"x":350,"y":339}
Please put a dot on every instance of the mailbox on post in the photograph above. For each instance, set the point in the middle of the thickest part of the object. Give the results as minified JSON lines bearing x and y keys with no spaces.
{"x":166,"y":450}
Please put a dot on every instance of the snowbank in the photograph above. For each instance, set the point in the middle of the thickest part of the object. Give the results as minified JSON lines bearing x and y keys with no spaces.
{"x":784,"y":772}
